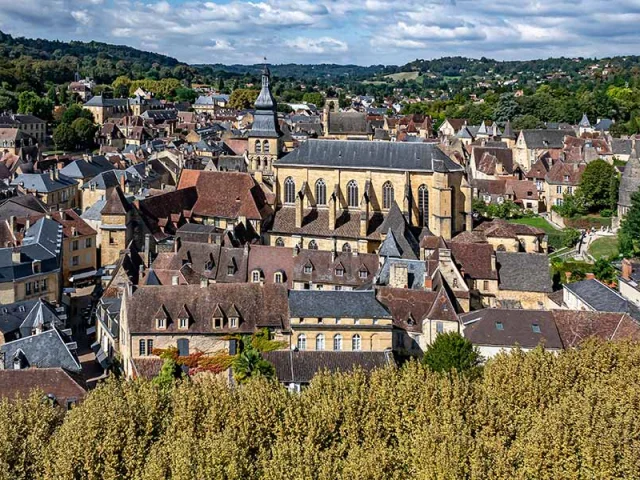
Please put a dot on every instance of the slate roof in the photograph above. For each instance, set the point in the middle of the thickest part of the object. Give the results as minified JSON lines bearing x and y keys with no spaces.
{"x":12,"y":315}
{"x":598,"y":296}
{"x":21,"y":205}
{"x":630,"y":181}
{"x":258,"y":306}
{"x":371,"y":155}
{"x":620,"y":146}
{"x":43,"y":350}
{"x":56,"y":382}
{"x":524,"y":272}
{"x":81,"y":169}
{"x":335,"y":304}
{"x":301,"y":367}
{"x":349,"y":123}
{"x":42,"y":182}
{"x":486,"y":159}
{"x":324,"y":266}
{"x":100,"y":101}
{"x":415,"y":272}
{"x":116,"y":203}
{"x":482,"y":328}
{"x":41,"y":316}
{"x":544,"y":138}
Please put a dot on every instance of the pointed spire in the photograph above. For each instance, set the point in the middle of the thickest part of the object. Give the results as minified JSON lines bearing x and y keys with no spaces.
{"x":585,"y":121}
{"x":508,"y":131}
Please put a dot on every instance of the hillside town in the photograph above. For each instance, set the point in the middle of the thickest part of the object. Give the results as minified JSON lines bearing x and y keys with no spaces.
{"x":350,"y":236}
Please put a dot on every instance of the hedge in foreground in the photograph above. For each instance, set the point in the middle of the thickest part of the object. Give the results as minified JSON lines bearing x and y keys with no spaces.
{"x":536,"y":415}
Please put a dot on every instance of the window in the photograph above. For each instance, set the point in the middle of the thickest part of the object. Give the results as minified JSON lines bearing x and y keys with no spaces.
{"x":217,"y":322}
{"x":570,"y":190}
{"x":356,"y":343}
{"x":87,"y":243}
{"x":312,"y":245}
{"x":233,"y":322}
{"x":265,"y":146}
{"x":258,"y":146}
{"x":230,"y":270}
{"x":289,"y":190}
{"x":184,"y":323}
{"x":308,"y":269}
{"x":566,"y":178}
{"x":279,"y":242}
{"x":387,"y":195}
{"x":337,"y":342}
{"x":74,"y":245}
{"x":320,"y":342}
{"x":183,"y":347}
{"x":302,"y":342}
{"x":559,"y":201}
{"x":277,"y":277}
{"x":160,"y":323}
{"x":36,"y":286}
{"x":75,"y":261}
{"x":346,"y":248}
{"x":535,"y":327}
{"x":352,"y":194}
{"x":150,"y":346}
{"x":499,"y":326}
{"x":321,"y":192}
{"x":423,"y":205}
{"x":255,"y":276}
{"x":559,"y":189}
{"x":455,"y":283}
{"x":43,"y":285}
{"x":142,"y":348}
{"x":339,"y":271}
{"x":363,"y":274}
{"x":28,"y":288}
{"x":439,"y":327}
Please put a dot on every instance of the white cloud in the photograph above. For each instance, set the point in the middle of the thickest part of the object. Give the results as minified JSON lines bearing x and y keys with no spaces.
{"x":82,"y":16}
{"x":317,"y":45}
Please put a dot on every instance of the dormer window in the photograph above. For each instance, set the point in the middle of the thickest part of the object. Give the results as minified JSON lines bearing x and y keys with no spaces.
{"x":363,"y":274}
{"x":308,"y":268}
{"x":230,"y":270}
{"x":36,"y":266}
{"x":184,"y":323}
{"x":217,"y":322}
{"x":161,"y":323}
{"x":339,"y":271}
{"x":233,"y":322}
{"x":255,"y":276}
{"x":566,"y":178}
{"x":277,"y":277}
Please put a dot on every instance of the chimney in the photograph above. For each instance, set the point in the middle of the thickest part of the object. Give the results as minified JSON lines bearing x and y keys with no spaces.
{"x":203,"y":282}
{"x":27,"y":224}
{"x":299,"y":210}
{"x":428,"y":282}
{"x":52,"y":174}
{"x":123,"y":179}
{"x":333,"y":255}
{"x":73,"y":231}
{"x":12,"y":223}
{"x":176,"y":244}
{"x":627,"y":269}
{"x":147,"y":249}
{"x":15,"y":255}
{"x":590,"y":276}
{"x":493,"y":262}
{"x":398,"y":275}
{"x":56,"y":173}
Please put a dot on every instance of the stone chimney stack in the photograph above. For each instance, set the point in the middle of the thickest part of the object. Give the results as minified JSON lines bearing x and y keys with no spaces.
{"x":627,"y":269}
{"x":15,"y":255}
{"x":299,"y":210}
{"x":398,"y":275}
{"x":333,"y":206}
{"x":493,"y":262}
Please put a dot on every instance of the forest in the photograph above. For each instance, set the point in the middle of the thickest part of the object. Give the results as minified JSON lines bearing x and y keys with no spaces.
{"x":530,"y":415}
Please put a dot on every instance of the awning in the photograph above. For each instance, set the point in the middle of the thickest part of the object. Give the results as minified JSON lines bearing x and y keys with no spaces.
{"x":81,"y":276}
{"x":91,"y":330}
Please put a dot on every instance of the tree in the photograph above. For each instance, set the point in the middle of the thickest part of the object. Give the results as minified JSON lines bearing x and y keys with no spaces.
{"x":8,"y":101}
{"x":64,"y":137}
{"x":629,"y":234}
{"x":242,"y":98}
{"x":604,"y":271}
{"x":572,"y":205}
{"x":570,"y":237}
{"x":451,"y":351}
{"x":597,"y":185}
{"x":186,"y":95}
{"x":85,"y":131}
{"x":250,"y":364}
{"x":527,"y":122}
{"x":506,"y":108}
{"x":315,"y":98}
{"x":169,"y":373}
{"x":74,"y":112}
{"x":52,"y":96}
{"x":30,"y":103}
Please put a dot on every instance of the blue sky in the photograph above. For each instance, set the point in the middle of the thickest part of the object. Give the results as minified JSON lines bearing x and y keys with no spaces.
{"x":342,"y":31}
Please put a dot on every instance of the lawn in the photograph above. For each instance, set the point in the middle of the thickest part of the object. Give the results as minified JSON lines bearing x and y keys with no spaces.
{"x":536,"y":222}
{"x":604,"y":247}
{"x":396,"y":77}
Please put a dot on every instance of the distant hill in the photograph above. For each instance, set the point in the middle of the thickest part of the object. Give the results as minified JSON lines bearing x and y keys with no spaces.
{"x":301,"y":71}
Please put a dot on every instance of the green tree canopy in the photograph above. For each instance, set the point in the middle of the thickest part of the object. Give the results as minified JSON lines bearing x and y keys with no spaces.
{"x":598,"y":186}
{"x":29,"y":102}
{"x":451,"y":351}
{"x":526,"y":122}
{"x":313,"y":97}
{"x":64,"y":137}
{"x":85,"y":132}
{"x":629,"y":234}
{"x":74,"y":112}
{"x":242,"y":98}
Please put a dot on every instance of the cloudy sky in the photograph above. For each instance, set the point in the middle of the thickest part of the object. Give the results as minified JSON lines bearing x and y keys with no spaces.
{"x":343,"y":31}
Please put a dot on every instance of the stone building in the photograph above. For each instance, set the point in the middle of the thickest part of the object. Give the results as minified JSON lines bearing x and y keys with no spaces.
{"x":265,"y":136}
{"x":338,"y":193}
{"x":116,"y":229}
{"x":629,"y":184}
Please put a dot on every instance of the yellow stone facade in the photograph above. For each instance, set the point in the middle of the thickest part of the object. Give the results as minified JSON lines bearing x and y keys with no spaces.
{"x":374,"y":336}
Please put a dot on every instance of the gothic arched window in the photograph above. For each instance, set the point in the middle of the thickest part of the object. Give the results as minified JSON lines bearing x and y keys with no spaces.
{"x":387,"y":195}
{"x":423,"y":205}
{"x":289,"y":190}
{"x":265,"y":146}
{"x":312,"y":245}
{"x":279,"y":242}
{"x":352,"y":194}
{"x":321,"y":192}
